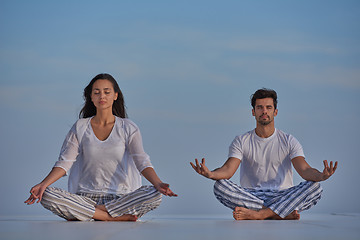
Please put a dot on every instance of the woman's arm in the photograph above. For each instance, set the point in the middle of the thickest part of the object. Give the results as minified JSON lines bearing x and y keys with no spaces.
{"x":150,"y":174}
{"x":37,"y":191}
{"x":311,"y":174}
{"x":225,"y":172}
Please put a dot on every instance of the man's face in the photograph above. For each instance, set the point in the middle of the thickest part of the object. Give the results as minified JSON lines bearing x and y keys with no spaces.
{"x":264,"y":111}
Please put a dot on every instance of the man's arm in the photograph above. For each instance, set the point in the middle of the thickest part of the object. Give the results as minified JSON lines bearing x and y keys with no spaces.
{"x":225,"y":172}
{"x":311,"y":174}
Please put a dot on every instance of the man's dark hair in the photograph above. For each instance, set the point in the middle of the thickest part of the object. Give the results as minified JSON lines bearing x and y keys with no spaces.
{"x":264,"y":93}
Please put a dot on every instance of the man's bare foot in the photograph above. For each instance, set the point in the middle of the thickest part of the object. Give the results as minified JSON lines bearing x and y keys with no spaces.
{"x":241,"y":213}
{"x":292,"y":216}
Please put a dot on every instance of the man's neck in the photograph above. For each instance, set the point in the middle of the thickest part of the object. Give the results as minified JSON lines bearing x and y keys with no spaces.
{"x":265,"y":131}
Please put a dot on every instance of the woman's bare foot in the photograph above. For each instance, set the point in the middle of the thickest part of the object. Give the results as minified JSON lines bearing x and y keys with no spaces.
{"x":102,"y":215}
{"x":126,"y":217}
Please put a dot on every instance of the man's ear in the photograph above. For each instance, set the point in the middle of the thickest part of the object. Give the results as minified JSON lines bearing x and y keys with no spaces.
{"x":275,"y":112}
{"x":253,"y":112}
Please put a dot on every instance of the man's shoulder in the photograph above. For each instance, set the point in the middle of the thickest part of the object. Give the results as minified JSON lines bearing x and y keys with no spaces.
{"x":283,"y":134}
{"x":286,"y":137}
{"x":245,"y":136}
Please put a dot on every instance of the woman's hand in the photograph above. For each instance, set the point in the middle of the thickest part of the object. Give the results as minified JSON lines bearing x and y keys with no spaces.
{"x":164,"y":189}
{"x":36,"y":193}
{"x":150,"y":174}
{"x":38,"y":190}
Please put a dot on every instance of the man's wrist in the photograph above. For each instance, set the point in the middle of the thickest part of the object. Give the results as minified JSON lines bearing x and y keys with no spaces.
{"x":212,"y":175}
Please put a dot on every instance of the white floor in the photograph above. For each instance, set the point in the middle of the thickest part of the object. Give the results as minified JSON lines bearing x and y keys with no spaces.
{"x":310,"y":226}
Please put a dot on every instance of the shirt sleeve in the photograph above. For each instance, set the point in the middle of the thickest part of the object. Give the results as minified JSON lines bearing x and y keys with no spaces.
{"x":296,"y":149}
{"x":235,"y":149}
{"x":135,"y":147}
{"x":69,"y":151}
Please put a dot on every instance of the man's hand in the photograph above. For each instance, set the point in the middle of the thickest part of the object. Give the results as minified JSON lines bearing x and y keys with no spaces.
{"x":328,"y":170}
{"x":201,"y":168}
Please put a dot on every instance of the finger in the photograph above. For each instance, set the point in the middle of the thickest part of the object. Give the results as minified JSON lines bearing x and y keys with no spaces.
{"x":172,"y":194}
{"x":331,"y":164}
{"x":40,"y":197}
{"x":203,"y":161}
{"x":335,"y":166}
{"x":169,"y":193}
{"x":194,"y":167}
{"x":33,"y":193}
{"x":31,"y":198}
{"x":197,"y":162}
{"x":31,"y":201}
{"x":27,"y":200}
{"x":202,"y":166}
{"x":325,"y":164}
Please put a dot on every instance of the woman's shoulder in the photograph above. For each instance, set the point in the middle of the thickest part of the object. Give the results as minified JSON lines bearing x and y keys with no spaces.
{"x":82,"y":122}
{"x":127,"y":124}
{"x":80,"y":125}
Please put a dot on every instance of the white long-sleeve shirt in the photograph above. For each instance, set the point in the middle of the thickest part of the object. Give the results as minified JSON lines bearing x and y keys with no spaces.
{"x":112,"y":166}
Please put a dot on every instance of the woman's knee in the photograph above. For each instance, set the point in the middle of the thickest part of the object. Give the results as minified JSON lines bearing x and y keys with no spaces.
{"x":47,"y":195}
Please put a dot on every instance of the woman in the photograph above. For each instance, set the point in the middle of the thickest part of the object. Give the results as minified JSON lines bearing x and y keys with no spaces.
{"x":104,"y":157}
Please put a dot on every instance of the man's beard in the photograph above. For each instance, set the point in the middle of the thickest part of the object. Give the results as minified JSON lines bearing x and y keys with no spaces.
{"x":265,"y":122}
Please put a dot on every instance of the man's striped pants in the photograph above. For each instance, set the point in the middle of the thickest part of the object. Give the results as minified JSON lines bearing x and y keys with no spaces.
{"x":282,"y":202}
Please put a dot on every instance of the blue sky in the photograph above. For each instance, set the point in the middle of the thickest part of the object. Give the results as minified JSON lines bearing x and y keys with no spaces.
{"x":187,"y":70}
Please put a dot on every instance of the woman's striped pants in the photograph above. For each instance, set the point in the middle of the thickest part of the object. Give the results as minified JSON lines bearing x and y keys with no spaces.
{"x":82,"y":206}
{"x":282,"y":202}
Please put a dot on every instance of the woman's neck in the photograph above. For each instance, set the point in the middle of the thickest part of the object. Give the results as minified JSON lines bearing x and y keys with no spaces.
{"x":104,"y":117}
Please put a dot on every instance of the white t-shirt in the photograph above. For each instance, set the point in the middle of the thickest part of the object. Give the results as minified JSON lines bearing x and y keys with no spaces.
{"x":112,"y":166}
{"x":266,"y":162}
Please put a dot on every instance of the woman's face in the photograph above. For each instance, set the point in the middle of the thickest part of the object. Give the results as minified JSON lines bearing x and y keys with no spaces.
{"x":103,"y":94}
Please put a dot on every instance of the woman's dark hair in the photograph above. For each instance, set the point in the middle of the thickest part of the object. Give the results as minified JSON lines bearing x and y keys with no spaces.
{"x":89,"y":108}
{"x":264,"y":93}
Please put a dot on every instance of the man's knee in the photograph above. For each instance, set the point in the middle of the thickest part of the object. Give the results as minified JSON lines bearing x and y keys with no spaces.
{"x":219,"y":183}
{"x":316,"y":186}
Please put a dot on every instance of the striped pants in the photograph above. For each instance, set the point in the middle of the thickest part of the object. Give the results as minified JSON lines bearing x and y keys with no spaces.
{"x":282,"y":202}
{"x":82,"y":206}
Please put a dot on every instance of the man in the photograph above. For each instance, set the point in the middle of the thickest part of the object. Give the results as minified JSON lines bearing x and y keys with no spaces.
{"x":266,"y":155}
